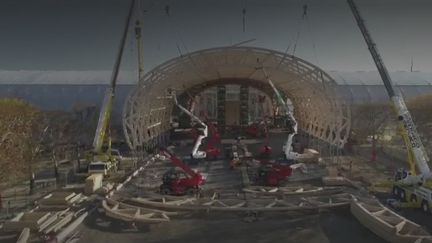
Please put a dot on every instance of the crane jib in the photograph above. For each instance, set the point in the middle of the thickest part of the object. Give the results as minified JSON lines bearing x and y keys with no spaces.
{"x":409,"y":125}
{"x":407,"y":121}
{"x":107,"y":105}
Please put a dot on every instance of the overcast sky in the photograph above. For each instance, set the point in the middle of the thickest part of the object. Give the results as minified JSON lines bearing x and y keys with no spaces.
{"x":85,"y":34}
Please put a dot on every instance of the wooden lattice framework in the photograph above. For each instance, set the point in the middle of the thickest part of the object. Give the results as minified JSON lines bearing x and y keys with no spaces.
{"x":318,"y":108}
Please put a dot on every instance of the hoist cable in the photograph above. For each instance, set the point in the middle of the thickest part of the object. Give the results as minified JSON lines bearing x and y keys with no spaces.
{"x":312,"y":36}
{"x":175,"y":31}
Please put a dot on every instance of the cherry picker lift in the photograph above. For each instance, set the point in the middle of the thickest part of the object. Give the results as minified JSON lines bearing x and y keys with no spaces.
{"x":271,"y":174}
{"x":186,"y":181}
{"x":212,"y":151}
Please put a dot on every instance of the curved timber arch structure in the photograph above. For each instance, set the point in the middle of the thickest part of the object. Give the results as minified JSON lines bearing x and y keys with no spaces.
{"x":319,"y":111}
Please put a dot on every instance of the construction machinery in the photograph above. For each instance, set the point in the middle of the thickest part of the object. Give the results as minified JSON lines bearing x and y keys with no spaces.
{"x":239,"y":152}
{"x":291,"y":122}
{"x":175,"y":182}
{"x":212,"y":151}
{"x":265,"y":150}
{"x":196,"y":153}
{"x":272,"y":173}
{"x":102,"y":161}
{"x":412,"y":187}
{"x":258,"y":129}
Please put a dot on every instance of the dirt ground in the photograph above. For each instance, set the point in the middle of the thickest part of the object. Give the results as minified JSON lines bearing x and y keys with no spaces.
{"x":332,"y":227}
{"x":335,"y":226}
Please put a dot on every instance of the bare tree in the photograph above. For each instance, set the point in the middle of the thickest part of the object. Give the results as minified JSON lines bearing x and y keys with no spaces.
{"x":21,"y":125}
{"x":369,"y":120}
{"x":420,"y":108}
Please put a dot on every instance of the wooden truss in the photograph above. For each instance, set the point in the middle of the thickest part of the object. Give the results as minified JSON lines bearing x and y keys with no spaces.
{"x":318,"y":108}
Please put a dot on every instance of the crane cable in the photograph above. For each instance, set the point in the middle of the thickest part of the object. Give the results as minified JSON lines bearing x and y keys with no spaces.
{"x":179,"y":36}
{"x":175,"y":31}
{"x":244,"y":15}
{"x":314,"y":49}
{"x":304,"y":17}
{"x":299,"y":28}
{"x":295,"y":38}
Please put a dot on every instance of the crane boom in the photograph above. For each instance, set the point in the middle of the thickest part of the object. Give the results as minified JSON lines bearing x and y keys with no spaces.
{"x":139,"y":49}
{"x":414,"y":144}
{"x":195,"y":151}
{"x":106,"y":109}
{"x":291,"y":120}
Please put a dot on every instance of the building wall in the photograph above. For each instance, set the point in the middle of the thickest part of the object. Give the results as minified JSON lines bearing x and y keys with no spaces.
{"x":206,"y":103}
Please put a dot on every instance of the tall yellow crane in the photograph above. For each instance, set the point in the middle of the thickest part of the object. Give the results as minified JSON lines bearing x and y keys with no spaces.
{"x":413,"y":185}
{"x":103,"y":161}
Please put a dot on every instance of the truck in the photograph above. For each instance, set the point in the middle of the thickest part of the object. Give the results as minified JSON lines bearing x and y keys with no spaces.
{"x":99,"y":160}
{"x":413,"y":186}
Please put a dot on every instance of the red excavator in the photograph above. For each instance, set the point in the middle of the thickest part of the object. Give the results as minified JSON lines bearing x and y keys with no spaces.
{"x":180,"y":182}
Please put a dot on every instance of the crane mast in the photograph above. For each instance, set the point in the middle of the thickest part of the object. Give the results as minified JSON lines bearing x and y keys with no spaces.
{"x":413,"y":143}
{"x":139,"y":49}
{"x":106,"y":109}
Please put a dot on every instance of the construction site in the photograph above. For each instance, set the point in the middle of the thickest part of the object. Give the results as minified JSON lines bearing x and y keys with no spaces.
{"x":234,"y":143}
